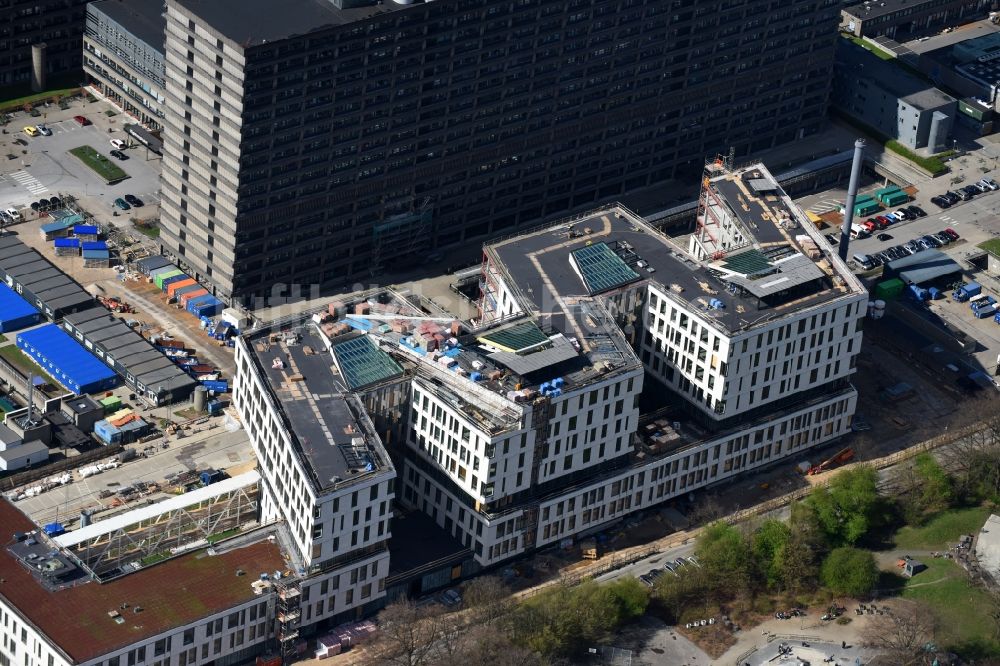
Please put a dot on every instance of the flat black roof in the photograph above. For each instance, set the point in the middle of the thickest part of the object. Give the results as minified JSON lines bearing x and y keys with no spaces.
{"x":883,"y":7}
{"x":143,"y":18}
{"x":255,"y":22}
{"x":419,"y":545}
{"x":315,"y":403}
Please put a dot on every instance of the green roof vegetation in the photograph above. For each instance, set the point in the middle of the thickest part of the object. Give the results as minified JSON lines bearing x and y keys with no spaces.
{"x":992,"y":245}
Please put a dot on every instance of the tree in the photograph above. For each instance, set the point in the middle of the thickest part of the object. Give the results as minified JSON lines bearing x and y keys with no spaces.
{"x":974,"y":462}
{"x":673,"y":594}
{"x":488,"y":598}
{"x":849,"y":572}
{"x":485,"y":646}
{"x":767,"y":545}
{"x":631,"y":598}
{"x":407,"y":634}
{"x":725,"y":555}
{"x":848,"y":508}
{"x":901,"y":635}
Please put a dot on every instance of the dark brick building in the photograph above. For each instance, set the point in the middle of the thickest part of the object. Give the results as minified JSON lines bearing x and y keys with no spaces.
{"x":311,"y":143}
{"x":57,"y":23}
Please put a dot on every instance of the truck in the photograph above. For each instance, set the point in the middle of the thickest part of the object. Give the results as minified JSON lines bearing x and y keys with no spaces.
{"x":967,"y":291}
{"x":986,"y":311}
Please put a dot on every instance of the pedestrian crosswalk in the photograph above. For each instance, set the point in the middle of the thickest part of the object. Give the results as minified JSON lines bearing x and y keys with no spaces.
{"x":825,"y":206}
{"x":29,"y":182}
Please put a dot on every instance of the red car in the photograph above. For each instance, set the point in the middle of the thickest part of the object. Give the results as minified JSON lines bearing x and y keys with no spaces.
{"x":951,"y":233}
{"x":883,"y":221}
{"x":82,"y":120}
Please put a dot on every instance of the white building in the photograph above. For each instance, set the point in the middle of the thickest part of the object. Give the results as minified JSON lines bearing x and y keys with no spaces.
{"x":325,"y":476}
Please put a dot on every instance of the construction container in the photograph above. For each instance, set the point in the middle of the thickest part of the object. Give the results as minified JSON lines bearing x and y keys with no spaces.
{"x":15,"y":312}
{"x":896,"y":198}
{"x":66,"y":247}
{"x":148,"y":264}
{"x":205,"y":306}
{"x":158,"y":278}
{"x":866,"y":208}
{"x":186,"y":290}
{"x":883,"y":192}
{"x":65,"y":360}
{"x":217,"y":386}
{"x":166,"y":281}
{"x":189,"y":296}
{"x":889,"y":290}
{"x":172,"y":287}
{"x":111,"y":404}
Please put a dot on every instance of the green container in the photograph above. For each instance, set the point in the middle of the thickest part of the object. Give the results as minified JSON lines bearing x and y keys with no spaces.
{"x":866,"y":208}
{"x":886,"y":190}
{"x":864,"y":198}
{"x":895,"y":198}
{"x":111,"y":404}
{"x":158,"y":280}
{"x":889,"y":290}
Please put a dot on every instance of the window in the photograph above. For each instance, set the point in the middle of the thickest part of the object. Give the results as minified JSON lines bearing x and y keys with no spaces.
{"x":188,"y":637}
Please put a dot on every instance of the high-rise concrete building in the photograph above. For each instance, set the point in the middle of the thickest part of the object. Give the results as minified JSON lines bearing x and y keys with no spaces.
{"x":123,"y":56}
{"x":56,"y":23}
{"x":320,"y":141}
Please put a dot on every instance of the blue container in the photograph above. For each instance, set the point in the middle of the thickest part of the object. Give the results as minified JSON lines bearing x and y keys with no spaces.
{"x":219,"y":386}
{"x":174,"y":278}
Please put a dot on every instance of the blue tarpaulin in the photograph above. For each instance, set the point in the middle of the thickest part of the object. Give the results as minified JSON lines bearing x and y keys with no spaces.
{"x":86,"y":230}
{"x":62,"y":357}
{"x":67,"y":242}
{"x":15,"y":312}
{"x":57,"y":226}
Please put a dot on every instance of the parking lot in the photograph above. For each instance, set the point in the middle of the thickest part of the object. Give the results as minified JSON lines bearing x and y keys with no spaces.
{"x":37,"y":167}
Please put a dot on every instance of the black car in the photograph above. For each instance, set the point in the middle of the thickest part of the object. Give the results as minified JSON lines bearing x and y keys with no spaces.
{"x":933,"y":241}
{"x":119,"y":155}
{"x":55,"y":202}
{"x":884,"y":237}
{"x":134,"y":200}
{"x":940,"y":202}
{"x":916,"y":211}
{"x":952,"y":197}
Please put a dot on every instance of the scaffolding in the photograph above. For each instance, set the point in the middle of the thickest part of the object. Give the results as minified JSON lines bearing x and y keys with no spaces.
{"x":288,"y":614}
{"x":147,"y":535}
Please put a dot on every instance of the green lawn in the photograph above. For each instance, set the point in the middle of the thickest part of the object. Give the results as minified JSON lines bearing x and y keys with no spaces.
{"x":18,"y":102}
{"x":20,"y":360}
{"x":942,"y":530}
{"x":884,"y":55}
{"x":102,"y":166}
{"x":962,"y":611}
{"x":991,"y":245}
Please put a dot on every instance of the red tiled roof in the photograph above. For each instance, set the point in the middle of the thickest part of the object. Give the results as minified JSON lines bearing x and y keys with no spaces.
{"x":173,"y":593}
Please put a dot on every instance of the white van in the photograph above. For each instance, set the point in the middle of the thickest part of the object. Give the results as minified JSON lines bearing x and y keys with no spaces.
{"x":858,"y":231}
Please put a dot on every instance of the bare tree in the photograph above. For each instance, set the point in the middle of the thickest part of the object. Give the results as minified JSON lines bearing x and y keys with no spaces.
{"x":902,"y":635}
{"x":486,"y":646}
{"x":966,"y":457}
{"x":488,"y":599}
{"x":408,"y":634}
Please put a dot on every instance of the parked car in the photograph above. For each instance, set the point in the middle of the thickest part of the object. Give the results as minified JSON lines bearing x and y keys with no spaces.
{"x":13,"y":214}
{"x":450,"y":598}
{"x":941,"y":202}
{"x":941,"y":238}
{"x":119,"y":155}
{"x":884,"y":237}
{"x":134,"y":200}
{"x":884,"y":220}
{"x":913,"y":246}
{"x":904,"y":214}
{"x":916,"y":211}
{"x":831,"y":239}
{"x":951,"y":233}
{"x":925,"y":244}
{"x":121,"y":203}
{"x":43,"y":129}
{"x":992,"y":183}
{"x":31,"y":130}
{"x":118,"y":144}
{"x":870,"y":225}
{"x":82,"y":120}
{"x":898,"y":251}
{"x":952,"y":197}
